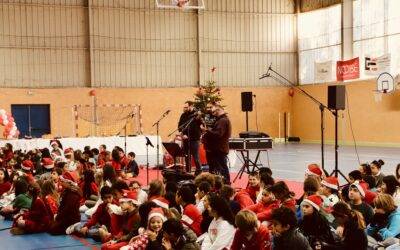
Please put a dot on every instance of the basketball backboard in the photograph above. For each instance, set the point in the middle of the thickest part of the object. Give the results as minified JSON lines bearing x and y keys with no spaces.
{"x":385,"y":83}
{"x":180,"y":4}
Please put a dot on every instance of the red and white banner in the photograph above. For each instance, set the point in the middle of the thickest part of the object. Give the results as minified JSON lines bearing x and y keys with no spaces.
{"x":348,"y":70}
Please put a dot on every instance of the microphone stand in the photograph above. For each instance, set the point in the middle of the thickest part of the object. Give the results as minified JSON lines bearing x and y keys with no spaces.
{"x":148,"y":143}
{"x":184,"y":127}
{"x":322,"y":107}
{"x":157,"y":124}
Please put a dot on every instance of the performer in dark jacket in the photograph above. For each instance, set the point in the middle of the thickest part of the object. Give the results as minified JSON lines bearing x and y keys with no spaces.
{"x":217,"y":139}
{"x":189,"y":126}
{"x":209,"y":120}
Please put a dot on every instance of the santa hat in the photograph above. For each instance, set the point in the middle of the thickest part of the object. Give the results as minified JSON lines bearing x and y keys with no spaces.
{"x":331,"y":182}
{"x":157,"y":211}
{"x":27,"y":165}
{"x":68,"y":151}
{"x":314,"y":169}
{"x":361,"y":187}
{"x":69,"y":177}
{"x":161,"y":202}
{"x":130,"y":196}
{"x":314,"y":200}
{"x":48,"y":163}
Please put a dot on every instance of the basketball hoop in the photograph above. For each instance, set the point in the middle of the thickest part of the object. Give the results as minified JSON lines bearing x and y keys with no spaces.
{"x":384,"y":85}
{"x":180,"y":4}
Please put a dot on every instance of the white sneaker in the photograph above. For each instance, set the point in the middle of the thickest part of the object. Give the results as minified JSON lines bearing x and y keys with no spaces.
{"x":71,"y":228}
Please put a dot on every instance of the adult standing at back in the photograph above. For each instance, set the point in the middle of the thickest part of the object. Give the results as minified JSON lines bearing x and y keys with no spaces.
{"x":218,"y":142}
{"x":189,"y":126}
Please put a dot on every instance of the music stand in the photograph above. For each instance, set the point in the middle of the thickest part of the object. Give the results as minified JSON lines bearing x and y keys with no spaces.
{"x":174,"y":150}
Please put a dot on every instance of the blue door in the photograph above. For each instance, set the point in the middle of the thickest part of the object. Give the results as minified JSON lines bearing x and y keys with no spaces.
{"x":32,"y":120}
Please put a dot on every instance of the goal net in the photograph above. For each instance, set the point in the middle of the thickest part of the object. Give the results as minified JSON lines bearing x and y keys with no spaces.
{"x":107,"y":120}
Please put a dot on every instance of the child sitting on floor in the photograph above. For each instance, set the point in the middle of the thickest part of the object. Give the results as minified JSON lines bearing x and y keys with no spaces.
{"x":5,"y":184}
{"x":329,"y":191}
{"x":250,"y":233}
{"x":253,"y":186}
{"x":22,"y":200}
{"x":100,"y":219}
{"x":284,"y":195}
{"x":191,"y":216}
{"x":37,"y":219}
{"x":146,"y":239}
{"x":68,"y":212}
{"x":264,"y":208}
{"x":123,"y":225}
{"x":286,"y":234}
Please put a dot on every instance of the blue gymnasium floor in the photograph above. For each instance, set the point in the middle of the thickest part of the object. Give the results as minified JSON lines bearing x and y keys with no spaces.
{"x":42,"y":241}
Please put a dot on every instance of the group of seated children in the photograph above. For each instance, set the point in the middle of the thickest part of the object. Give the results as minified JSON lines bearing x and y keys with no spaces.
{"x":47,"y":191}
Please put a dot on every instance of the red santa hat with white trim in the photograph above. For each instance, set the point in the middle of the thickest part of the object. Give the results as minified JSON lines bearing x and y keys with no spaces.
{"x":361,"y":187}
{"x":314,"y":169}
{"x":331,"y":182}
{"x":157,"y":211}
{"x":69,"y":177}
{"x":161,"y":202}
{"x":27,"y":165}
{"x":130,"y":196}
{"x":314,"y":200}
{"x":48,"y":163}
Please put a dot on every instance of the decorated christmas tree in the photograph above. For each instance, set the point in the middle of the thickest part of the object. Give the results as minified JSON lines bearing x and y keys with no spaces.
{"x":207,"y":93}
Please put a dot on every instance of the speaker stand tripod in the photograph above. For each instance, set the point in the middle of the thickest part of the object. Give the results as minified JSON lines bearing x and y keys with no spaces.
{"x":336,"y":171}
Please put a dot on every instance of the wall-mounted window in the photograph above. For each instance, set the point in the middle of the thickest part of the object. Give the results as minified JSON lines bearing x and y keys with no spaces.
{"x":376,"y":31}
{"x":319,"y":40}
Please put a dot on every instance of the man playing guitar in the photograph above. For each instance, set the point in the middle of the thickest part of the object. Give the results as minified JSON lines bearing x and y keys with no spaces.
{"x":189,"y":126}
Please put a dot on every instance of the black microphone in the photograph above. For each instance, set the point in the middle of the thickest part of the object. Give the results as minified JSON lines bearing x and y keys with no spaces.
{"x":266,"y":74}
{"x":148,"y":142}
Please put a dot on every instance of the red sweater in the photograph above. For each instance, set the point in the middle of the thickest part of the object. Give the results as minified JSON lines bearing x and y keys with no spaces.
{"x":260,"y":240}
{"x":124,"y":161}
{"x":4,"y":187}
{"x":290,"y":203}
{"x":101,"y":217}
{"x":263,"y":211}
{"x":192,"y":218}
{"x":244,"y":199}
{"x":252,"y":191}
{"x":94,"y":190}
{"x":52,"y":204}
{"x":116,"y":165}
{"x":38,"y":218}
{"x":123,"y":224}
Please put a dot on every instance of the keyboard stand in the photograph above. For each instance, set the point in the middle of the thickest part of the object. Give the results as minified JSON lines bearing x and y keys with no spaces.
{"x":248,"y":163}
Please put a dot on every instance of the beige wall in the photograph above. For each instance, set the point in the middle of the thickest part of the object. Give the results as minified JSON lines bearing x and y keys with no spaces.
{"x":271,"y":101}
{"x":374,"y":123}
{"x":131,"y":43}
